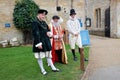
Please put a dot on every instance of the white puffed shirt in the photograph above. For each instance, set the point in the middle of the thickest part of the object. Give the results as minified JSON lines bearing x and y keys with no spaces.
{"x":73,"y":27}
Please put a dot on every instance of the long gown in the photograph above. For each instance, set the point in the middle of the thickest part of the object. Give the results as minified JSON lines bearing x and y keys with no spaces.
{"x":58,"y":44}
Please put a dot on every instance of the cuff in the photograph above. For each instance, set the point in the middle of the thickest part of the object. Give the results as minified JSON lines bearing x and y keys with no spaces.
{"x":39,"y":44}
{"x":55,"y":36}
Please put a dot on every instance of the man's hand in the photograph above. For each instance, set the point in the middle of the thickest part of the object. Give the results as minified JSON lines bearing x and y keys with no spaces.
{"x":40,"y":47}
{"x":49,"y":34}
{"x":77,"y":34}
{"x":60,"y":36}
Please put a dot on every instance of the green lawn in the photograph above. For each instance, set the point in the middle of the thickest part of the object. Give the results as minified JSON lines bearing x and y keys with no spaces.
{"x":18,"y":63}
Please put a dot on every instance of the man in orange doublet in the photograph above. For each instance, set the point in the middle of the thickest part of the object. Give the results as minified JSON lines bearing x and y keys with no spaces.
{"x":58,"y":47}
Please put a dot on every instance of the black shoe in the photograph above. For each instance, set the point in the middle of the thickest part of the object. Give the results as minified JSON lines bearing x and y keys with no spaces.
{"x":75,"y":59}
{"x":44,"y":73}
{"x":57,"y":70}
{"x":85,"y":59}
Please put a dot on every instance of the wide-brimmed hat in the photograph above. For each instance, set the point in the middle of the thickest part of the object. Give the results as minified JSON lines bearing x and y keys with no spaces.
{"x":42,"y":11}
{"x":72,"y":11}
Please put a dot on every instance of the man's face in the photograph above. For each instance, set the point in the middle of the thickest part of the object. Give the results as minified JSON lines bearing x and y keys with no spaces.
{"x":41,"y":16}
{"x":55,"y":20}
{"x":73,"y":15}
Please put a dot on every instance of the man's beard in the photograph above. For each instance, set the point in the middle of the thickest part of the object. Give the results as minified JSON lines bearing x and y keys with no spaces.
{"x":56,"y":24}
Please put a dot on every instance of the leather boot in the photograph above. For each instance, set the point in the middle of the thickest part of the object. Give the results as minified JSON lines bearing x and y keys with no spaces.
{"x":74,"y":56}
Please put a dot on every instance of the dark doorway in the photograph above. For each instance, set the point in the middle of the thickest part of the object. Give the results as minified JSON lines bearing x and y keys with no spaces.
{"x":107,"y":22}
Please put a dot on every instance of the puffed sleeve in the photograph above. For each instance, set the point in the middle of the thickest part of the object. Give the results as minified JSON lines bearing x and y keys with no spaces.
{"x":35,"y":33}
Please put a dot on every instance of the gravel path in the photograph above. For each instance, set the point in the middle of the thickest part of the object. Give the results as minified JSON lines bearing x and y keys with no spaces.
{"x":104,"y":59}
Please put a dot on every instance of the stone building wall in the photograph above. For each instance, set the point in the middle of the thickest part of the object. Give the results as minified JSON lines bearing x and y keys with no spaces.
{"x":118,"y":18}
{"x":65,"y":5}
{"x":91,"y":6}
{"x":115,"y":18}
{"x":6,"y":12}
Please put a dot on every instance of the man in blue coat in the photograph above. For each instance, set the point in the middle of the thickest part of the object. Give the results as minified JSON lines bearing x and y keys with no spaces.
{"x":41,"y":41}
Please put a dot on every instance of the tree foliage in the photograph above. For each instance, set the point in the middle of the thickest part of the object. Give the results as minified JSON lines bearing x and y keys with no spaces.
{"x":24,"y":12}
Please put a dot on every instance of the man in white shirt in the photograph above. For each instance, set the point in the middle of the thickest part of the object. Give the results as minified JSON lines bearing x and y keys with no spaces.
{"x":74,"y":29}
